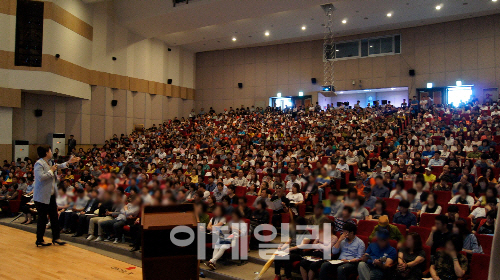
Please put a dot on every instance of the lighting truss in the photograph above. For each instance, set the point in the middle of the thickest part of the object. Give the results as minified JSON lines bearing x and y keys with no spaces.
{"x":328,"y":48}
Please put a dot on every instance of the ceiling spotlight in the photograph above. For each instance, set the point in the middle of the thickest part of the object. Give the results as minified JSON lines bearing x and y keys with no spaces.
{"x":234,"y":39}
{"x":344,"y":21}
{"x":438,"y":7}
{"x":267,"y":33}
{"x":494,"y":0}
{"x":301,"y":93}
{"x":279,"y":94}
{"x":389,"y":15}
{"x":304,"y":27}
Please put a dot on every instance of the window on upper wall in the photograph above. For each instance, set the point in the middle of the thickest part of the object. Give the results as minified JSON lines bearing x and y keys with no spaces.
{"x":363,"y":48}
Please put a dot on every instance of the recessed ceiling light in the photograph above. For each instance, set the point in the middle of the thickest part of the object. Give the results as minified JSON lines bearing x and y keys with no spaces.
{"x":234,"y":39}
{"x":389,"y":15}
{"x":267,"y":33}
{"x":494,"y":0}
{"x":438,"y":7}
{"x":304,"y":27}
{"x":344,"y":21}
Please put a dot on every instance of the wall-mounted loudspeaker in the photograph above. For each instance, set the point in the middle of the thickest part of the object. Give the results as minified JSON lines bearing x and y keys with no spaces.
{"x":384,"y":102}
{"x":114,"y":102}
{"x":313,"y":81}
{"x":169,"y":81}
{"x":411,"y":72}
{"x":38,"y":113}
{"x":113,"y":58}
{"x":169,"y":49}
{"x":57,"y":55}
{"x":240,"y":85}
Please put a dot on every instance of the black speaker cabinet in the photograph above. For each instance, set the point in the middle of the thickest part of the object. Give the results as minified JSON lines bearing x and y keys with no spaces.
{"x":339,"y":104}
{"x":38,"y":113}
{"x":240,"y":85}
{"x":313,"y":81}
{"x":411,"y":72}
{"x":169,"y":81}
{"x":114,"y":102}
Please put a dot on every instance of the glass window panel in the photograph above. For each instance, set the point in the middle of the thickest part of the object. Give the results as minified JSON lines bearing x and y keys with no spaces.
{"x":349,"y":49}
{"x":364,"y":48}
{"x":397,"y":44}
{"x":386,"y":45}
{"x":374,"y":47}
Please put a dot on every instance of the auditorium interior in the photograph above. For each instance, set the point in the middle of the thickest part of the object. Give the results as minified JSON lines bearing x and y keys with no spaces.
{"x":232,"y":139}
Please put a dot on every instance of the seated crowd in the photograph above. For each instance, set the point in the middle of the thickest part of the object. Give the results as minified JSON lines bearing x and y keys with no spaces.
{"x":430,"y":170}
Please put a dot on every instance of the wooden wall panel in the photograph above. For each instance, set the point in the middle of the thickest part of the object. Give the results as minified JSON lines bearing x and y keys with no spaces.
{"x":160,"y":88}
{"x":190,"y":93}
{"x":10,"y":97}
{"x":68,"y":20}
{"x":8,"y":7}
{"x":6,"y":59}
{"x":6,"y":150}
{"x":119,"y":81}
{"x":73,"y":71}
{"x":98,"y":78}
{"x":151,"y":87}
{"x":176,"y":91}
{"x":168,"y":90}
{"x":183,"y":93}
{"x":138,"y":85}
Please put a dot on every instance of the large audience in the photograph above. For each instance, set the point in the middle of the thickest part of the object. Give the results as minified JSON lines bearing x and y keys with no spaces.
{"x":396,"y":167}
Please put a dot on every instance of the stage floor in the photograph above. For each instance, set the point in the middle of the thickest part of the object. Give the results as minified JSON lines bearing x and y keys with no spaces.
{"x":21,"y":259}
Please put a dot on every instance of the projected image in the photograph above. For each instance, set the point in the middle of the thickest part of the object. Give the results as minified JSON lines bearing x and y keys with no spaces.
{"x":457,"y":95}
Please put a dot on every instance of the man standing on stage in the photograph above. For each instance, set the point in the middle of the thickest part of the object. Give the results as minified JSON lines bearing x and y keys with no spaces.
{"x":71,"y":144}
{"x":45,"y":172}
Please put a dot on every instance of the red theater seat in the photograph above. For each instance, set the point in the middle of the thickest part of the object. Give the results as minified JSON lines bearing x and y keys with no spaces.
{"x":365,"y":228}
{"x":427,"y":220}
{"x":423,"y":232}
{"x":392,"y":203}
{"x":486,"y":241}
{"x":479,"y":266}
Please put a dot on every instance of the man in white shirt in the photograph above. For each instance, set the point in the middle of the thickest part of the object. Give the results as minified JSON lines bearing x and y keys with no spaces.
{"x":449,"y":141}
{"x":240,"y":181}
{"x":342,"y":166}
{"x":293,"y":180}
{"x":162,"y":153}
{"x":177,"y":164}
{"x":436,"y":160}
{"x":468,"y":148}
{"x":228,"y":180}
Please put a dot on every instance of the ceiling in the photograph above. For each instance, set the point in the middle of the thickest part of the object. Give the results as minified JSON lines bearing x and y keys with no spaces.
{"x":394,"y":89}
{"x":205,"y":25}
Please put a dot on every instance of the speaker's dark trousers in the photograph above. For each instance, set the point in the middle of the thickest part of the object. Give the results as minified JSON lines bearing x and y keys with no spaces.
{"x":44,"y":210}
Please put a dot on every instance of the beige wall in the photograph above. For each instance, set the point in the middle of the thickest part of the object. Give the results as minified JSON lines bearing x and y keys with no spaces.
{"x":86,"y":37}
{"x":82,"y":82}
{"x":467,"y":50}
{"x":92,"y":121}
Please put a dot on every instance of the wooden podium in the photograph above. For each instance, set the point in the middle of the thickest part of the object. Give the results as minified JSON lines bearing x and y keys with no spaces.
{"x":161,"y":258}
